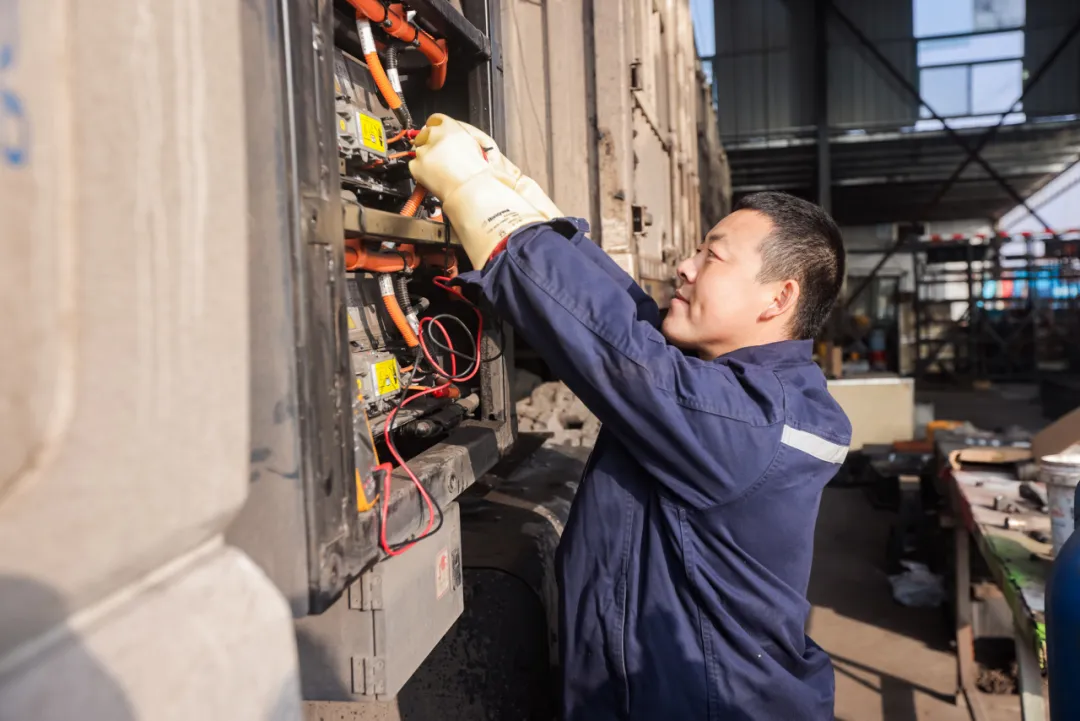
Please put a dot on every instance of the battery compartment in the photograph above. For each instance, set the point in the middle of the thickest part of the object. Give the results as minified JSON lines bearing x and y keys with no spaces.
{"x":414,"y":339}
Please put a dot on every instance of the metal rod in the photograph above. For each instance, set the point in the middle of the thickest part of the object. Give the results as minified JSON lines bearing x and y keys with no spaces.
{"x":965,"y":636}
{"x":821,"y":102}
{"x":916,"y":303}
{"x":1029,"y":678}
{"x":971,"y":64}
{"x":972,"y":348}
{"x":889,"y":253}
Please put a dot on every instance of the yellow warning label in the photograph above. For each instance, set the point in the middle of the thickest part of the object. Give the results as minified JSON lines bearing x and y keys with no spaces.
{"x":363,"y":502}
{"x":359,"y":389}
{"x":371,"y":133}
{"x":342,"y":126}
{"x":386,"y":377}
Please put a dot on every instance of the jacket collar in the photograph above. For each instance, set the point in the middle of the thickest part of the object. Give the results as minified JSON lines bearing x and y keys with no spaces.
{"x":773,"y":355}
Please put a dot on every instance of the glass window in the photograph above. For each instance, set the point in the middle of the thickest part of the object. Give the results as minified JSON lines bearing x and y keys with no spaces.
{"x":948,"y":17}
{"x":996,"y":86}
{"x":973,"y":49}
{"x":945,"y":90}
{"x":997,"y":14}
{"x":941,"y":17}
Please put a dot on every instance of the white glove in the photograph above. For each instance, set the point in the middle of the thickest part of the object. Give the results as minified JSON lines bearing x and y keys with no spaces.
{"x":511,"y":175}
{"x":481,"y":208}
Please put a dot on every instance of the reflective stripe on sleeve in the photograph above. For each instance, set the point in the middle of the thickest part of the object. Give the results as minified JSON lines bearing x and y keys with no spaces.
{"x":815,"y":446}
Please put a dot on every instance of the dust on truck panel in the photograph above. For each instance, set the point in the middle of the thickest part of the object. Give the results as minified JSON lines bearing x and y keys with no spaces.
{"x":124,"y":375}
{"x":607,"y":116}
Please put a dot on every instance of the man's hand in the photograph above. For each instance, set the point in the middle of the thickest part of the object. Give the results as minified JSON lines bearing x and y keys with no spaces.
{"x":481,"y":207}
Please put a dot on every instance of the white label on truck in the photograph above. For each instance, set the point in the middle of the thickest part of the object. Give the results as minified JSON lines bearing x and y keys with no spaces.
{"x":442,"y":573}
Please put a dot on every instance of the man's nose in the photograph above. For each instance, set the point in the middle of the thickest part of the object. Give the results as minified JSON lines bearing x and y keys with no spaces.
{"x":687,"y":270}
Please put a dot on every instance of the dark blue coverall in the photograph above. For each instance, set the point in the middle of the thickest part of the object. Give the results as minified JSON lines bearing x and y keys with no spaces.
{"x":686,"y":557}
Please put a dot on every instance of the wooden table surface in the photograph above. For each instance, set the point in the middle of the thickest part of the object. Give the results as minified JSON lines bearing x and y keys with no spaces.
{"x":1019,"y":563}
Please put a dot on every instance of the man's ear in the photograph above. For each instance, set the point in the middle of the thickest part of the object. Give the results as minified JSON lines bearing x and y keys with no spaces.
{"x":784,"y":300}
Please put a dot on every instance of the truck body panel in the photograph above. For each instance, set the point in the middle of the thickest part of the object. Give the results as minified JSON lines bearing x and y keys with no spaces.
{"x":188,"y":472}
{"x":608,"y":111}
{"x":125,"y":371}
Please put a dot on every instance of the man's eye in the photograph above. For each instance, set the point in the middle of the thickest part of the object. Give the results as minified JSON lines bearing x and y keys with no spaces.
{"x":714,"y":256}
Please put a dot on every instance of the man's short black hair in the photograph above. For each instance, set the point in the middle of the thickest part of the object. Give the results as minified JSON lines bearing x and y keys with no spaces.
{"x":806,"y":245}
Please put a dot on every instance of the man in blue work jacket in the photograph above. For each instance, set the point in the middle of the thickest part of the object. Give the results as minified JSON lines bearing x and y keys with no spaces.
{"x":685,"y":561}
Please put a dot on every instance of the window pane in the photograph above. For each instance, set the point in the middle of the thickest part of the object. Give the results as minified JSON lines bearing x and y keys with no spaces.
{"x":996,"y":86}
{"x":941,"y":17}
{"x":975,"y":49}
{"x":947,"y":17}
{"x":994,"y":14}
{"x":946,"y":90}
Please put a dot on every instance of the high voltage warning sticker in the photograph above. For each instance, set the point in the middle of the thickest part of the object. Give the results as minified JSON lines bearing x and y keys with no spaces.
{"x":386,"y":377}
{"x":371,"y":133}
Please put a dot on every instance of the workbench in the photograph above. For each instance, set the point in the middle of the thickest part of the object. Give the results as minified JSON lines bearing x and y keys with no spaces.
{"x":1020,"y":566}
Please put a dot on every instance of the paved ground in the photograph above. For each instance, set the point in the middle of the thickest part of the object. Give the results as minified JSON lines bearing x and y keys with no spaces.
{"x":892,"y":663}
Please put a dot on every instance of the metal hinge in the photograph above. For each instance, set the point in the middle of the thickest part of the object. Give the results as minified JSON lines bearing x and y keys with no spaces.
{"x":365,"y":593}
{"x":368,"y":675}
{"x":455,"y":567}
{"x":635,"y":76}
{"x":641,"y":217}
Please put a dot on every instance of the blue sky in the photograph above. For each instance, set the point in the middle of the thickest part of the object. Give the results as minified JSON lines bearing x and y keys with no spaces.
{"x":702,"y":13}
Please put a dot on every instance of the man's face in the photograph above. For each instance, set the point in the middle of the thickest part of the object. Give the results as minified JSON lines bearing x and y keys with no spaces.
{"x":720,"y":303}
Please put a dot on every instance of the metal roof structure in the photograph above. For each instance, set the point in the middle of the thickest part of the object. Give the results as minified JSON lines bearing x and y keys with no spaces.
{"x":832,"y":100}
{"x":886,"y":177}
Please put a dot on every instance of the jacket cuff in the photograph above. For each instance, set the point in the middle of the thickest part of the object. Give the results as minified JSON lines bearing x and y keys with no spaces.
{"x":500,"y":247}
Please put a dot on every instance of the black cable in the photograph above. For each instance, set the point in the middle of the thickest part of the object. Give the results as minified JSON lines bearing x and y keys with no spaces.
{"x":404,"y":264}
{"x":420,"y":303}
{"x":391,"y":63}
{"x":468,"y":356}
{"x":401,"y":288}
{"x":446,"y":242}
{"x":461,"y":324}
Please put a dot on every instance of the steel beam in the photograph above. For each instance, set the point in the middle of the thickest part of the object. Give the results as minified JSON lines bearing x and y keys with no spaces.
{"x":965,"y":635}
{"x":821,"y":103}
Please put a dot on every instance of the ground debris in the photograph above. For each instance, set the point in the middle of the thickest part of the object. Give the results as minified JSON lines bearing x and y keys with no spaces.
{"x":552,"y":408}
{"x":996,"y":680}
{"x":995,"y":660}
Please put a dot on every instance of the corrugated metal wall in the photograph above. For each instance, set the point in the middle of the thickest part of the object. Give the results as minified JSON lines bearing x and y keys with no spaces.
{"x":764,"y":66}
{"x":860,"y":96}
{"x":547,"y":47}
{"x":1058,"y":92}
